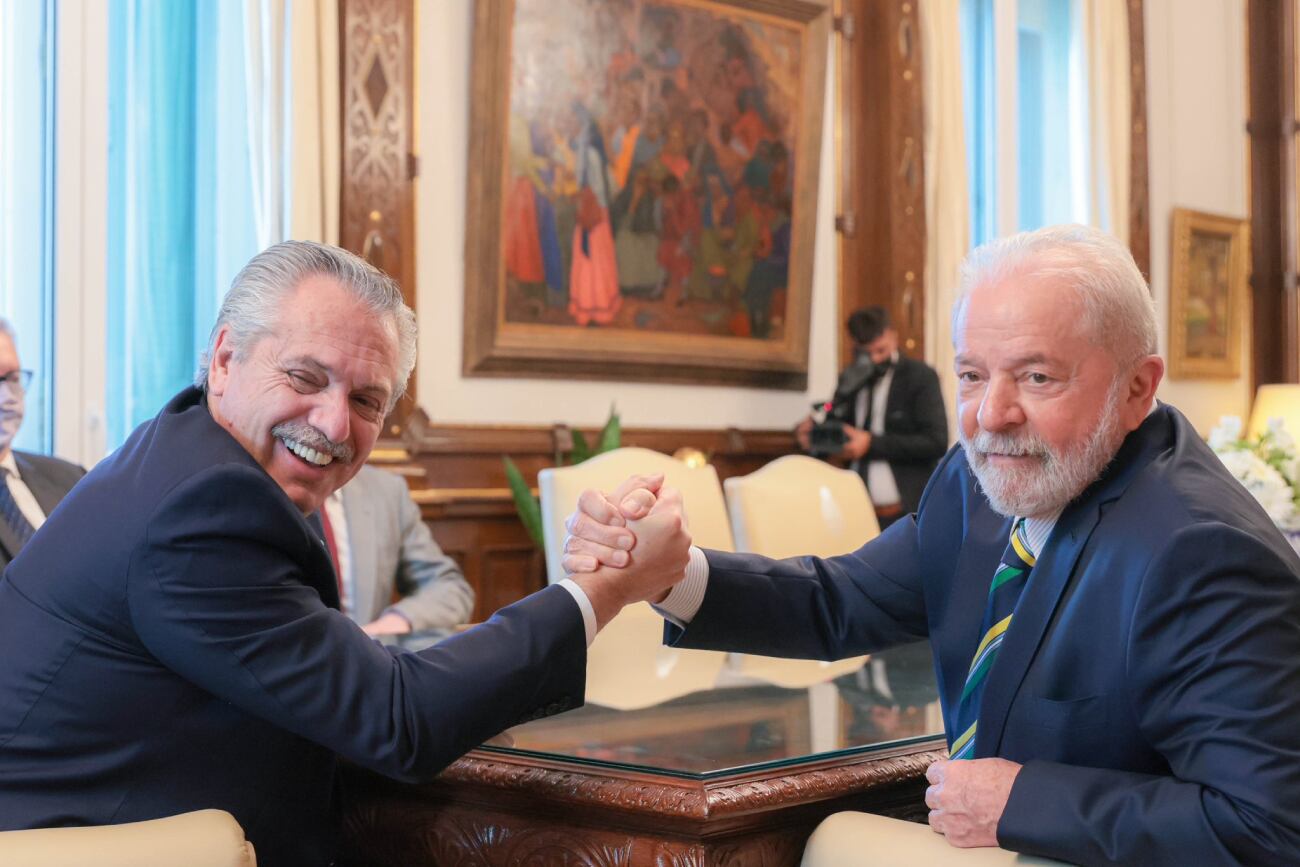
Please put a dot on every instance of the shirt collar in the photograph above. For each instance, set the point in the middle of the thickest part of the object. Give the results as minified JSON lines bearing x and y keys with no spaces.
{"x":10,"y":466}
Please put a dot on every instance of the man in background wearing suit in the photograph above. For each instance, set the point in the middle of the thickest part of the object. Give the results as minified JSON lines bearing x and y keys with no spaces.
{"x":171,"y":637}
{"x":895,"y":425}
{"x":1115,"y":619}
{"x":33,"y":484}
{"x":380,"y":545}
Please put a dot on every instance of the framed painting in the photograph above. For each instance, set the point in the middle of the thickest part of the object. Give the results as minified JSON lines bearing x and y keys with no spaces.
{"x":642,"y":189}
{"x":1207,"y":294}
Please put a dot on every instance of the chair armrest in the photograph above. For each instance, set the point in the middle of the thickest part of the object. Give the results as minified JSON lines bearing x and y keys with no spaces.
{"x":206,"y":838}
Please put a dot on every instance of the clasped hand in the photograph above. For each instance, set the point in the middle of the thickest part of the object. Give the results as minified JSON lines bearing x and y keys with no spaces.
{"x":628,"y":546}
{"x":967,"y":798}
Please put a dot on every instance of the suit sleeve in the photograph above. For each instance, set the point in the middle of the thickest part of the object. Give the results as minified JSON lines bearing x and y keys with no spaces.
{"x":436,"y":594}
{"x":929,"y":441}
{"x":217,"y":593}
{"x":1216,"y":610}
{"x":812,"y":608}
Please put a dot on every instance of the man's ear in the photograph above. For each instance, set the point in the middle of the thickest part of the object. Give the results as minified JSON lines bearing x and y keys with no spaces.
{"x":223,"y":350}
{"x":1143,"y":382}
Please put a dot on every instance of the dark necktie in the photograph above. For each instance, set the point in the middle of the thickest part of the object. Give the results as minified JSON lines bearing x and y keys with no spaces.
{"x":1004,"y":593}
{"x":332,"y":547}
{"x":13,"y":516}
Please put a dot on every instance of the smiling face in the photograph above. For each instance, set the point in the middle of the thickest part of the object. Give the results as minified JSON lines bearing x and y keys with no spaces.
{"x":308,"y":400}
{"x":1042,"y":408}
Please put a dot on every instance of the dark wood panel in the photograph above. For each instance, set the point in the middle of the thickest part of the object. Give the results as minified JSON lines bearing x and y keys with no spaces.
{"x":377,"y":92}
{"x":882,"y":239}
{"x":1139,"y":206}
{"x":1275,"y":353}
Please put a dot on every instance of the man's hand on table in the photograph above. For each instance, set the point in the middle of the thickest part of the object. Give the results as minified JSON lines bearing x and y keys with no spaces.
{"x":628,"y":546}
{"x":966,"y":799}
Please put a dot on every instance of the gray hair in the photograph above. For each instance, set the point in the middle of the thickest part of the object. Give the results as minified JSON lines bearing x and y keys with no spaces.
{"x":252,"y":306}
{"x":1116,"y":303}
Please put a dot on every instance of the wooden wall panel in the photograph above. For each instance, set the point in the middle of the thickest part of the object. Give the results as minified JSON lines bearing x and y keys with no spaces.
{"x":882,"y":224}
{"x":1275,"y":339}
{"x":1139,"y":206}
{"x":377,"y":90}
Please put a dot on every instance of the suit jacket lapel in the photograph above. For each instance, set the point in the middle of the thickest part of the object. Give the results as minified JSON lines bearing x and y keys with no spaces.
{"x":986,"y":539}
{"x":46,"y":493}
{"x":322,"y":576}
{"x":1047,"y":583}
{"x":361,"y":550}
{"x":1051,"y":575}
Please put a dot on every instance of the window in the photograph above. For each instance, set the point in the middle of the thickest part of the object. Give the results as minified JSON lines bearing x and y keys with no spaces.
{"x":180,"y":204}
{"x":27,"y":203}
{"x":1025,"y":96}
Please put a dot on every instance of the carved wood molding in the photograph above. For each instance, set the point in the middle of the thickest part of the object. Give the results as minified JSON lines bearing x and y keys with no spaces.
{"x":503,"y":808}
{"x":1139,"y":206}
{"x":685,"y":799}
{"x":883,"y":259}
{"x":377,"y":191}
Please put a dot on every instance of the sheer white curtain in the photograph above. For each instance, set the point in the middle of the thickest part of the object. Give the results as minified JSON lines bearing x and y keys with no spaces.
{"x":947,"y":207}
{"x":1106,"y":44}
{"x":292,"y":76}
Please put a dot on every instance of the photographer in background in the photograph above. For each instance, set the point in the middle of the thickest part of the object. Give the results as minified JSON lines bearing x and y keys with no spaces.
{"x":891,"y":411}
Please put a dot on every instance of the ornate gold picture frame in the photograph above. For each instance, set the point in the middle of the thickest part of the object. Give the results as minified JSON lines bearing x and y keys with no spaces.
{"x":642,"y":189}
{"x":1210,"y":265}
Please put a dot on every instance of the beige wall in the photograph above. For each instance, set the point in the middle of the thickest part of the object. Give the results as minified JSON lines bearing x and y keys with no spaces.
{"x":1196,"y":103}
{"x":1197,"y":107}
{"x":445,"y":28}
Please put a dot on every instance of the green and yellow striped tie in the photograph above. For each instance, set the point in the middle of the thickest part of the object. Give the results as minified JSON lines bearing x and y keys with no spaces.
{"x":1004,"y":593}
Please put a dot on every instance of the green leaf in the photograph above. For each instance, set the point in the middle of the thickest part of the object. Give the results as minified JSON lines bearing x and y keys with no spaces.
{"x":581,"y":450}
{"x":528,"y":507}
{"x":611,"y":436}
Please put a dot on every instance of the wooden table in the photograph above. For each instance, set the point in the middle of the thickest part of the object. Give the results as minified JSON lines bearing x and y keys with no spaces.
{"x":725,"y":777}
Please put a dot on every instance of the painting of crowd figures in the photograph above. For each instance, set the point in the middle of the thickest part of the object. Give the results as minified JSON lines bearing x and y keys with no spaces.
{"x":650,"y":167}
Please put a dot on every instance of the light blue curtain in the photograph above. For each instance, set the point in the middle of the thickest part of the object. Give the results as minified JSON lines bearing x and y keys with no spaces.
{"x":27,"y":40}
{"x":180,"y":207}
{"x":1046,"y":31}
{"x":978,"y":104}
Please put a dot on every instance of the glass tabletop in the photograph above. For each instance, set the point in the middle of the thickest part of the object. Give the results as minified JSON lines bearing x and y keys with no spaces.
{"x":758,"y":713}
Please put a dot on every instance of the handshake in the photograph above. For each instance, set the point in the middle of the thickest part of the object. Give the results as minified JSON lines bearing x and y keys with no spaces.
{"x":628,"y":546}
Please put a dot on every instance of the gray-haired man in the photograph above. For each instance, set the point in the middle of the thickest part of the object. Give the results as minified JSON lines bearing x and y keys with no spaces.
{"x":171,"y":639}
{"x":33,"y":484}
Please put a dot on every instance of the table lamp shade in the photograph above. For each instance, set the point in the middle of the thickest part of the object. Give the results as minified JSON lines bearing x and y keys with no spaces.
{"x":1282,"y":401}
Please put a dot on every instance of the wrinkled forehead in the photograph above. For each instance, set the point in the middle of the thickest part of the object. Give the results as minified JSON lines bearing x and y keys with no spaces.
{"x":8,"y":353}
{"x":1024,"y":302}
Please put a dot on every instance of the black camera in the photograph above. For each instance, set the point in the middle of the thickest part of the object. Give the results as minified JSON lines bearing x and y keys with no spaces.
{"x":827,"y":436}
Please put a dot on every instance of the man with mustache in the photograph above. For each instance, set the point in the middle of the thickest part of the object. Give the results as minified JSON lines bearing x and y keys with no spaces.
{"x":32,"y":484}
{"x":1115,"y":620}
{"x":171,"y":639}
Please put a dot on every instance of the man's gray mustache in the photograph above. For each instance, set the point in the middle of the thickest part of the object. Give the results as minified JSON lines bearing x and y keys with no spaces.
{"x":312,"y":438}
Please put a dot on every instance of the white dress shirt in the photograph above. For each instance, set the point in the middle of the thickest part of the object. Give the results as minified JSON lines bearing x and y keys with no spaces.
{"x":881,"y":484}
{"x":343,"y":550}
{"x":22,"y":494}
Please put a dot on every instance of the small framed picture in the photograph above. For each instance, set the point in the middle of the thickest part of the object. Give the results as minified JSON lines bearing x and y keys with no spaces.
{"x":1207,"y":294}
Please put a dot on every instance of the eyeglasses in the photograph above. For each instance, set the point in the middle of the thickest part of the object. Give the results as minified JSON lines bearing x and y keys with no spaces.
{"x":17,"y":380}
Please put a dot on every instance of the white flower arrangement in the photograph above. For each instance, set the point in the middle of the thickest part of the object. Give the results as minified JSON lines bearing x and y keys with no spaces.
{"x":1267,"y":465}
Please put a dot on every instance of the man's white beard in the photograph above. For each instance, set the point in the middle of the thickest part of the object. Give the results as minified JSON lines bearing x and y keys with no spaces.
{"x":1058,"y":478}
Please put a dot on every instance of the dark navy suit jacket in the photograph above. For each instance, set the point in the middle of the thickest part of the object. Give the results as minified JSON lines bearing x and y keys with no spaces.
{"x":170,"y":642}
{"x":49,"y":480}
{"x":1150,"y":680}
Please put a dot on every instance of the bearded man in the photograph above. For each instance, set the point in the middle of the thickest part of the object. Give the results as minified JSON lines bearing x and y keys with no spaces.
{"x":1115,"y":621}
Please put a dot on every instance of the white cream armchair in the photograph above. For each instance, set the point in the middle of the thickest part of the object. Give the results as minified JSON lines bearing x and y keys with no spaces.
{"x":205,"y":838}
